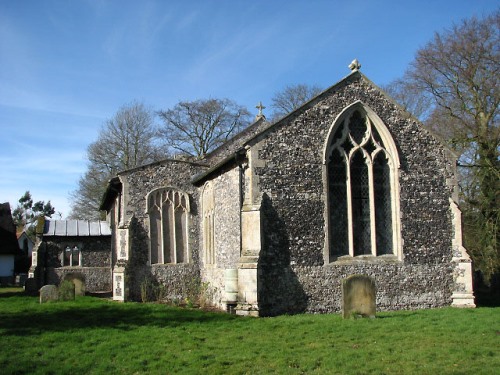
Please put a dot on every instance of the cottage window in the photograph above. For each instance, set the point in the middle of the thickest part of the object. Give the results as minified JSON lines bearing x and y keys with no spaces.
{"x":72,"y":256}
{"x":362,"y":187}
{"x":168,"y":226}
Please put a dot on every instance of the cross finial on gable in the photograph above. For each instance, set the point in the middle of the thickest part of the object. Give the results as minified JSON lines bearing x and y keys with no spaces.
{"x":260,"y":107}
{"x":355,"y":65}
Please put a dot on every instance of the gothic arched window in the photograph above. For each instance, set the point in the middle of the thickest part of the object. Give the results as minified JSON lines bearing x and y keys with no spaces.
{"x":168,"y":226}
{"x":362,"y":187}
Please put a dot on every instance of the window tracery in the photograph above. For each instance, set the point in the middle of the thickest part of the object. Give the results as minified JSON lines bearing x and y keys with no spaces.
{"x":168,"y":211}
{"x":362,"y":188}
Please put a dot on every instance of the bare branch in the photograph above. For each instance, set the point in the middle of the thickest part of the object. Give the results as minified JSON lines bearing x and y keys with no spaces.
{"x":195,"y":128}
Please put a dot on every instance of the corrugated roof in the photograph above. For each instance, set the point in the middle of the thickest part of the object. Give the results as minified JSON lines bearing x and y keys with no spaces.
{"x":76,"y":228}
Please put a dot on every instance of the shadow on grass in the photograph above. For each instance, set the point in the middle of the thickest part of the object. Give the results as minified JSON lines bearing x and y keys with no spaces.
{"x":87,"y":313}
{"x":12,"y":294}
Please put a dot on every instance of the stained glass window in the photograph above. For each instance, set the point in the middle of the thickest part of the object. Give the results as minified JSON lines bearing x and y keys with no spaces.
{"x":338,"y":206}
{"x":383,"y":211}
{"x":359,"y":190}
{"x":360,"y":203}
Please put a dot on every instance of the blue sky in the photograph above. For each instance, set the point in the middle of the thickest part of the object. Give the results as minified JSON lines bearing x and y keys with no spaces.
{"x":68,"y":66}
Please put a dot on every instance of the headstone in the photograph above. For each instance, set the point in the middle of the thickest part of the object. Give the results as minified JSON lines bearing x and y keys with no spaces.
{"x":48,"y":293}
{"x":66,"y":291}
{"x":78,"y":280}
{"x":358,"y":296}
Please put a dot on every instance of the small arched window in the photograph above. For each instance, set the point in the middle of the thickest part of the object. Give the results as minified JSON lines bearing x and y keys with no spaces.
{"x":361,"y":166}
{"x":168,"y":226}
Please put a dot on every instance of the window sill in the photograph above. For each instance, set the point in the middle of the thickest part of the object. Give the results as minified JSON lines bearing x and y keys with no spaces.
{"x":363,"y":259}
{"x":168,"y":264}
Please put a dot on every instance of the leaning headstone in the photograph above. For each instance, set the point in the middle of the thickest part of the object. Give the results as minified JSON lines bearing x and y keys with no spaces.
{"x":66,"y":291}
{"x":48,"y":293}
{"x":358,"y":296}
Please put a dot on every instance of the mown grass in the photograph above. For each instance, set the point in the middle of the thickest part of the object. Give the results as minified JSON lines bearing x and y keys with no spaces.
{"x":95,"y":336}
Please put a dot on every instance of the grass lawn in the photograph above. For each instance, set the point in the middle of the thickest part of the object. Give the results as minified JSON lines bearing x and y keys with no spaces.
{"x":96,"y":336}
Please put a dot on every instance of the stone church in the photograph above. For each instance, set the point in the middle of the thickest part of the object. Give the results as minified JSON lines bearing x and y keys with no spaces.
{"x":272,"y":221}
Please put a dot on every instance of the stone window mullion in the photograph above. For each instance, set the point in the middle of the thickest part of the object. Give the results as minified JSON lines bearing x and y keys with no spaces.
{"x":173,"y":250}
{"x":162,"y":241}
{"x":350,"y":232}
{"x":372,"y":207}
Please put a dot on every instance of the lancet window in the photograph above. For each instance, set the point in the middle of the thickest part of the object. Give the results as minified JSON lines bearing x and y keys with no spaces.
{"x":208,"y":207}
{"x":362,"y":193}
{"x":168,"y":211}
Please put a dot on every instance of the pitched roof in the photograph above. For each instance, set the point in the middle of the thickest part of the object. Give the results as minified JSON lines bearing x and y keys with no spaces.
{"x":76,"y":228}
{"x":231,"y":152}
{"x":233,"y":149}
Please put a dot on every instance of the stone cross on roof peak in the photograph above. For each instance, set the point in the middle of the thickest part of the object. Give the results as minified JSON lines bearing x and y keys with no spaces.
{"x":260,"y":107}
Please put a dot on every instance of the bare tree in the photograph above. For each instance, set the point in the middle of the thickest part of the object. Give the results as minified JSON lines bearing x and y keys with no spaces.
{"x":197,"y":127}
{"x":411,"y":99}
{"x":291,"y":98}
{"x":86,"y":200}
{"x":457,"y":73}
{"x":126,"y":141}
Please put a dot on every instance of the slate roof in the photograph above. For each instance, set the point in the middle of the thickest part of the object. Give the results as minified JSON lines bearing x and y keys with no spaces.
{"x":76,"y":228}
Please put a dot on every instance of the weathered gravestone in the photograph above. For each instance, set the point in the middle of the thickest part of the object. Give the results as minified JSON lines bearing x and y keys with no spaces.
{"x":78,"y":280}
{"x":66,"y":291}
{"x":358,"y":296}
{"x":48,"y":293}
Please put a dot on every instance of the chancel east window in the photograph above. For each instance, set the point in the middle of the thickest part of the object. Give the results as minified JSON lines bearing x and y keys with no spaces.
{"x":361,"y":188}
{"x":168,"y":226}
